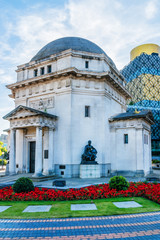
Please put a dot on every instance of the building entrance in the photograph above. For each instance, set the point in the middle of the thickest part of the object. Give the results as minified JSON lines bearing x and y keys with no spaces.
{"x":32,"y":157}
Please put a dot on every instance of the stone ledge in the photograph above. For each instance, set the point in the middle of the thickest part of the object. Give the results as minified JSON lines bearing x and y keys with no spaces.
{"x":43,"y":178}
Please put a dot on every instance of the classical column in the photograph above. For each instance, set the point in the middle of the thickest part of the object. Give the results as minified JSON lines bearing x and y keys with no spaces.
{"x":38,"y":157}
{"x":19,"y":150}
{"x":48,"y":162}
{"x":139,"y":149}
{"x":12,"y":159}
{"x":51,"y":146}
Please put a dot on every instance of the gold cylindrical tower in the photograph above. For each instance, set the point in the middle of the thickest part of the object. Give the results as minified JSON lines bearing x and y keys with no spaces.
{"x":144,"y":48}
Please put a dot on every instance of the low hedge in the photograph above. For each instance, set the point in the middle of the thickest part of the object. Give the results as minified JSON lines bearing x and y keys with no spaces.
{"x":23,"y":185}
{"x":118,"y":183}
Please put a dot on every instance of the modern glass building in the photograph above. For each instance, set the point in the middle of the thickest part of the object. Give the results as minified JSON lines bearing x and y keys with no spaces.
{"x":143,"y":77}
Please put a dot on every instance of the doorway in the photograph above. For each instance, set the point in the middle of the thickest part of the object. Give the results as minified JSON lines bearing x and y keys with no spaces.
{"x":32,"y":156}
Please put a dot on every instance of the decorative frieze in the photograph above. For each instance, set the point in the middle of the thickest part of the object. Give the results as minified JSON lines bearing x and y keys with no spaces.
{"x":44,"y":88}
{"x":87,"y":84}
{"x":30,"y":91}
{"x":51,"y":85}
{"x":68,"y":82}
{"x":96,"y":85}
{"x":59,"y":84}
{"x":56,"y":85}
{"x":124,"y":124}
{"x":42,"y":103}
{"x":32,"y":121}
{"x":23,"y":92}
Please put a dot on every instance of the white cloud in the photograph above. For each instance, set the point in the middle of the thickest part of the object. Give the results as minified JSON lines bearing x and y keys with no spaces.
{"x":104,"y":22}
{"x":151,"y":9}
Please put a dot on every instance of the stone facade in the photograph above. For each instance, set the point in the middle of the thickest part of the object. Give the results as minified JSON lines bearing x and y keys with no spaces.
{"x":49,"y":126}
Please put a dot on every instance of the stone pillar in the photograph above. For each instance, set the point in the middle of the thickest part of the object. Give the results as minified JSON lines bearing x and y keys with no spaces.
{"x":48,"y":163}
{"x":39,"y":150}
{"x":12,"y":159}
{"x":51,"y":147}
{"x":140,"y":149}
{"x":19,"y":150}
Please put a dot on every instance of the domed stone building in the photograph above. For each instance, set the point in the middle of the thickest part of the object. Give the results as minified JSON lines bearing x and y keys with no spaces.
{"x":71,"y":92}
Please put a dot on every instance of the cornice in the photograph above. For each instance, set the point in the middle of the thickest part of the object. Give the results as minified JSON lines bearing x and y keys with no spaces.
{"x":108,"y":76}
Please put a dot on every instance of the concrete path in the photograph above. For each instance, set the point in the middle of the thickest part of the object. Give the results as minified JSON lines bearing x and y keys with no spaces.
{"x":70,"y":182}
{"x":144,"y":226}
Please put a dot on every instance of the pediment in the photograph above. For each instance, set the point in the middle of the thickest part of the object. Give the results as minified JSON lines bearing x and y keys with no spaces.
{"x":23,"y":111}
{"x":20,"y":112}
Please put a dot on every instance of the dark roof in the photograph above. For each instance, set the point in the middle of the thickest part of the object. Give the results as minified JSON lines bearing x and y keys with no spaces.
{"x":74,"y":43}
{"x":146,"y":114}
{"x":10,"y":114}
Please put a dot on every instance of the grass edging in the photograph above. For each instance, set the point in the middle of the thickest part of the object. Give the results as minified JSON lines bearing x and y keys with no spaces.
{"x":61,"y":209}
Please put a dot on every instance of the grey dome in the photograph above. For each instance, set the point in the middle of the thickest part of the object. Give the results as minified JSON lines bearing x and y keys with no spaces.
{"x":62,"y":44}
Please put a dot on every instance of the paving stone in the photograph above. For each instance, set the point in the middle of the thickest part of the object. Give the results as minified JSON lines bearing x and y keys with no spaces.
{"x":38,"y":208}
{"x":82,"y":207}
{"x":127,"y":204}
{"x":3,"y":208}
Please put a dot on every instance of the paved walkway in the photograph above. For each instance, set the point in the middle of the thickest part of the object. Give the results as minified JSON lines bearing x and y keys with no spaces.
{"x":70,"y":182}
{"x":144,"y":226}
{"x":127,"y":227}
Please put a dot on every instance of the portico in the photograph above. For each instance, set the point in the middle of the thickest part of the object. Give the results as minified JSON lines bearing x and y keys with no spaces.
{"x":26,"y":150}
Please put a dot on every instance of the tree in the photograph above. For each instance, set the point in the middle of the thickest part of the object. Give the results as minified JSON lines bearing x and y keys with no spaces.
{"x":3,"y":150}
{"x":3,"y":154}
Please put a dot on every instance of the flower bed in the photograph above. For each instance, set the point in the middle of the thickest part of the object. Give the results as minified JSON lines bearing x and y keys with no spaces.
{"x":140,"y":189}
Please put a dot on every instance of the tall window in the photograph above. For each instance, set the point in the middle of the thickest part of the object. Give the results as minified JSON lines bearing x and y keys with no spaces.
{"x":49,"y":69}
{"x":86,"y":64}
{"x":87,"y":111}
{"x":42,"y":70}
{"x":125,"y":138}
{"x":35,"y":72}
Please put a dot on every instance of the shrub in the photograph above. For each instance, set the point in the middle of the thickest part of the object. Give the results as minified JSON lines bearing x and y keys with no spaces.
{"x":23,"y":185}
{"x":118,"y":183}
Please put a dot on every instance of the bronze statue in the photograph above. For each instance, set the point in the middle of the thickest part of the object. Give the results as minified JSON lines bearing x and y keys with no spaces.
{"x":89,"y":155}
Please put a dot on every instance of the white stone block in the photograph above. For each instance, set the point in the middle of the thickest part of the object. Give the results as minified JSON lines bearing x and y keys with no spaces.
{"x":83,"y":207}
{"x":127,"y":204}
{"x":38,"y":208}
{"x":89,"y":171}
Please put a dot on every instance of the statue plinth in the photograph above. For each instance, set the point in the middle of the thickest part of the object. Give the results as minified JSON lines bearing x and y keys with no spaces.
{"x":89,"y":162}
{"x":90,"y":170}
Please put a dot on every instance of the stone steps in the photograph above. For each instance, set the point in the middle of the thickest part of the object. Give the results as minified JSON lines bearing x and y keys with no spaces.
{"x":43,"y":178}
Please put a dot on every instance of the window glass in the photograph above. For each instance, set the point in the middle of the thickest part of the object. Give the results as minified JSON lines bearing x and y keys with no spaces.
{"x":125,"y":138}
{"x":35,"y":72}
{"x":86,"y":64}
{"x":42,"y":70}
{"x":87,"y":111}
{"x":49,"y":69}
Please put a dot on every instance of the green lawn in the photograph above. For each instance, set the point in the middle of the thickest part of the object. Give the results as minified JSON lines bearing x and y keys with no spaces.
{"x":61,"y":209}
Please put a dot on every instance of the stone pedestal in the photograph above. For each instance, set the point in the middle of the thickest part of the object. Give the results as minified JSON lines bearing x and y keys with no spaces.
{"x":89,"y":171}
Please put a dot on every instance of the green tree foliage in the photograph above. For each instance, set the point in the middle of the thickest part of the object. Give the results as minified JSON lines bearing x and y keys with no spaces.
{"x":3,"y":150}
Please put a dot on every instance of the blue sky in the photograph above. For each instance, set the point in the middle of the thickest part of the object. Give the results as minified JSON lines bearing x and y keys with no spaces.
{"x":27,"y":25}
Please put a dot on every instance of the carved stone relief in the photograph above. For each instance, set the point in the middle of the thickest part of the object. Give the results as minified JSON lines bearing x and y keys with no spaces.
{"x":42,"y":103}
{"x":32,"y":121}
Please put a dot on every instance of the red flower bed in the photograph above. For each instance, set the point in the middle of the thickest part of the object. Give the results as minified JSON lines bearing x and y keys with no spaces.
{"x":140,"y":189}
